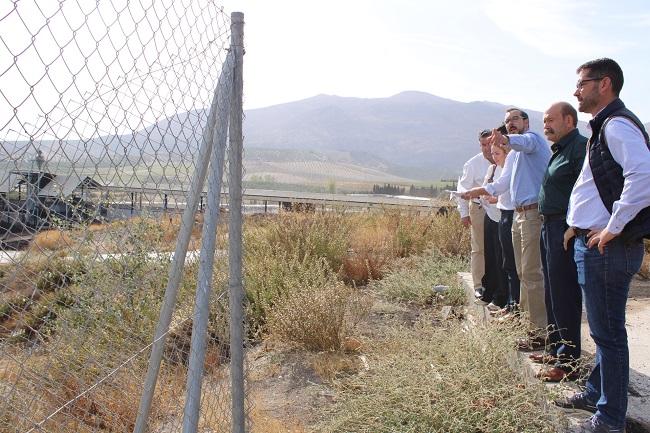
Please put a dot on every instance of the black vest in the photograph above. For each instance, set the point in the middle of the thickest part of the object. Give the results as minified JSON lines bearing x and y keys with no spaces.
{"x":608,"y":174}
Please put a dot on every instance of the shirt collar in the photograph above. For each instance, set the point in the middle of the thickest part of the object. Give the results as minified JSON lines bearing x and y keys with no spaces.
{"x":556,"y":147}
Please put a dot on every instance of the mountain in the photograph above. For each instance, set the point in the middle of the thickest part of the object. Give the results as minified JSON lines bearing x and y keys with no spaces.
{"x":414,"y":133}
{"x":400,"y":139}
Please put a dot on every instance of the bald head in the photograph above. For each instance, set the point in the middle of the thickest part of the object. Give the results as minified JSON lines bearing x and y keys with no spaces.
{"x":559,"y":119}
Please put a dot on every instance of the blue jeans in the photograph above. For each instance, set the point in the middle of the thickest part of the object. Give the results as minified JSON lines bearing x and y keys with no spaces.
{"x":563,"y":294}
{"x":605,"y":281}
{"x":505,"y":238}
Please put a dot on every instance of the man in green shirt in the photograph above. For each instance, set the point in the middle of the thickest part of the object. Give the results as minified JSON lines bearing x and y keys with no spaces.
{"x":562,"y":292}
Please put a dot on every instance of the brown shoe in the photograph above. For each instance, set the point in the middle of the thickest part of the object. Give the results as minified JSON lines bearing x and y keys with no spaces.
{"x":531,"y":344}
{"x":556,"y":374}
{"x":542,"y":358}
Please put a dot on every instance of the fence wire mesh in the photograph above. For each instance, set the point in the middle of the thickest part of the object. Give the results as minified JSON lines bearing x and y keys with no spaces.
{"x":102,"y":110}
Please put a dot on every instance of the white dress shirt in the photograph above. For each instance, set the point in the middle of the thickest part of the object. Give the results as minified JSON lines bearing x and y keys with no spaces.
{"x":473,"y":175}
{"x":627,"y":146}
{"x":491,"y":210}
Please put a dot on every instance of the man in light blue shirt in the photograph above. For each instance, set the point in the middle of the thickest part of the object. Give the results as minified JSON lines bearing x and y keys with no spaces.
{"x":531,"y":158}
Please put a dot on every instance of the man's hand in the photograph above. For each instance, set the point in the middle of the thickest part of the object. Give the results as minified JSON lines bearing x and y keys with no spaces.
{"x":498,"y":139}
{"x":466,"y":221}
{"x":600,"y":238}
{"x":568,"y":235}
{"x":473,"y":193}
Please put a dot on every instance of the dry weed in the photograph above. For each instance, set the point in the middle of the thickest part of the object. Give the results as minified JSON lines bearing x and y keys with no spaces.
{"x":333,"y":365}
{"x":52,"y":240}
{"x":415,"y":279}
{"x":311,"y":317}
{"x":428,"y":378}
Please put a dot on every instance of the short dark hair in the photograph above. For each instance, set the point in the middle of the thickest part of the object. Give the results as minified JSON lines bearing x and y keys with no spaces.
{"x":605,"y":67}
{"x":484,"y":133}
{"x":567,"y":110}
{"x":524,"y":115}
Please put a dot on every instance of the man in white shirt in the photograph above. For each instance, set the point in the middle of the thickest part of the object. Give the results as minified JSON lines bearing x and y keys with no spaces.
{"x":471,"y":212}
{"x":608,"y":216}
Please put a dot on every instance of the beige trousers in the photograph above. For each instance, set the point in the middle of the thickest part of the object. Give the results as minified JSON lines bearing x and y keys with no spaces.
{"x":477,"y":260}
{"x":526,"y":233}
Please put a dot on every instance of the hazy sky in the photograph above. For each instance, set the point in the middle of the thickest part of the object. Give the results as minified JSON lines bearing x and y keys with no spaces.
{"x":513,"y":52}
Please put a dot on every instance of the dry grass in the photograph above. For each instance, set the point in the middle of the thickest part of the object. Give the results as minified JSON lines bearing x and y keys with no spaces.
{"x":264,"y":422}
{"x":330,"y":366}
{"x":414,"y":280}
{"x":52,"y":240}
{"x":429,"y":378}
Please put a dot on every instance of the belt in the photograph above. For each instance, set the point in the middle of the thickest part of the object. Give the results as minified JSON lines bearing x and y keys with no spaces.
{"x":553,"y":217}
{"x":580,"y":232}
{"x":526,"y":207}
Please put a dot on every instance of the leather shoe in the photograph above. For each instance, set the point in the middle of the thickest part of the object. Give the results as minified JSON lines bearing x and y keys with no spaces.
{"x":556,"y":374}
{"x":531,"y":344}
{"x":542,"y":358}
{"x":577,"y":401}
{"x":595,"y":425}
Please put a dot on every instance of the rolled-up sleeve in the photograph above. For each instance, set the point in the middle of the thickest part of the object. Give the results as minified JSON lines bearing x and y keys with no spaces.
{"x":627,"y":145}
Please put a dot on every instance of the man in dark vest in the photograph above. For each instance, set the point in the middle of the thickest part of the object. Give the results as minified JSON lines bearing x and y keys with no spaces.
{"x":609,"y":214}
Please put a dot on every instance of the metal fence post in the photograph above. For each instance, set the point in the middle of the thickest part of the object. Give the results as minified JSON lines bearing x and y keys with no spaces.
{"x":208,"y":241}
{"x":176,"y":268}
{"x":235,"y":230}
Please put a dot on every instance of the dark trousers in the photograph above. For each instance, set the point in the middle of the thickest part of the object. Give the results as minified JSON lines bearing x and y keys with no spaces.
{"x":563,"y":294}
{"x":495,"y":280}
{"x":508,"y":253}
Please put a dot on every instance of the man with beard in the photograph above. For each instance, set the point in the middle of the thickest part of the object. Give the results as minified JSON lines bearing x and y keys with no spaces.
{"x":471,"y":212}
{"x":530,"y":161}
{"x":609,"y":214}
{"x":563,"y":293}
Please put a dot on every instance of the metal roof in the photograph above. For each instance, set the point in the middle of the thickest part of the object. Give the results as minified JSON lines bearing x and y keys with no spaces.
{"x":65,"y":185}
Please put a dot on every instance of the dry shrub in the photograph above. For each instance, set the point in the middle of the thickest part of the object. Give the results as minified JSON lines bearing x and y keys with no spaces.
{"x":52,"y":240}
{"x":372,"y":248}
{"x":428,"y":378}
{"x":322,"y":234}
{"x":311,"y":317}
{"x":448,"y":235}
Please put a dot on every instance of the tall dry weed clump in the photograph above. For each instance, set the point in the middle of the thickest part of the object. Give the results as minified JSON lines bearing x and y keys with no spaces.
{"x":322,"y":234}
{"x":371,"y":248}
{"x":292,"y":286}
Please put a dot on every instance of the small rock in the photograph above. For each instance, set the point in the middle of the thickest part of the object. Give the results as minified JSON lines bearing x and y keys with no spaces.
{"x":440,"y":288}
{"x":445,"y":312}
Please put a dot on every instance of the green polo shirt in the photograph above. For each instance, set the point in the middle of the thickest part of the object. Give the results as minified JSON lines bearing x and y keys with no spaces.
{"x":562,"y":171}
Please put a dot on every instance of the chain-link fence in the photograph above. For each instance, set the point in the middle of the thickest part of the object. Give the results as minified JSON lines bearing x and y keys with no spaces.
{"x":112,"y":116}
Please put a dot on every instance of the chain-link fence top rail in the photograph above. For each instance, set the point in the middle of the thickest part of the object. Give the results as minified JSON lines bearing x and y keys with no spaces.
{"x":102,"y":110}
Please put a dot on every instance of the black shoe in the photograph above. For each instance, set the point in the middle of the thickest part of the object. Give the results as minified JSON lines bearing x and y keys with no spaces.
{"x":595,"y":425}
{"x":577,"y":401}
{"x":478,"y":292}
